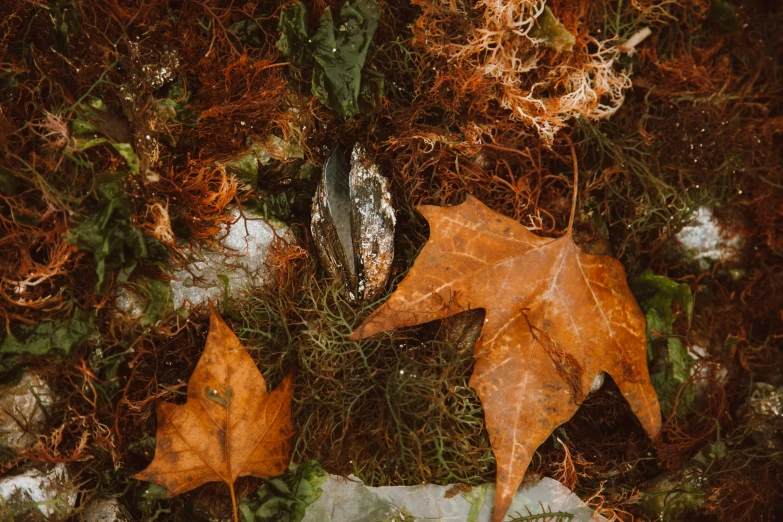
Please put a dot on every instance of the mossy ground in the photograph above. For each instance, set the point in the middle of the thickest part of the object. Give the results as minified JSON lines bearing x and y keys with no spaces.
{"x":702,"y":125}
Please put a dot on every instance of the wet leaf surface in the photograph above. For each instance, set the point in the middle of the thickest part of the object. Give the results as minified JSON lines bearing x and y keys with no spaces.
{"x":555,"y":317}
{"x":229,"y":427}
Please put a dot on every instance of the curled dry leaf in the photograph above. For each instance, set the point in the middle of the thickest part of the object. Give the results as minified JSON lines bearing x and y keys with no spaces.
{"x":555,"y":317}
{"x":228,"y":428}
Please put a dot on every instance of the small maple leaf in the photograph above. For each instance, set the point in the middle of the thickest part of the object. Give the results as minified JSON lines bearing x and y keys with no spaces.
{"x":555,"y":317}
{"x":229,"y":427}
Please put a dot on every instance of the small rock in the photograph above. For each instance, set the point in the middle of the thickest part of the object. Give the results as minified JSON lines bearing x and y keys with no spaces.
{"x":240,"y":265}
{"x":22,"y":411}
{"x":706,"y":242}
{"x":105,"y":510}
{"x":766,"y":400}
{"x":667,"y":497}
{"x":51,"y":491}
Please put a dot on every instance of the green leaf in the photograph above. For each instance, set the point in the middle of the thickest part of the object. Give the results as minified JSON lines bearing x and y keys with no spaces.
{"x":339,"y":50}
{"x":293,"y":42}
{"x":86,"y":136}
{"x":551,"y":33}
{"x":341,"y":45}
{"x":127,"y":152}
{"x":109,"y":235}
{"x":671,"y":361}
{"x":285,"y":498}
{"x":476,"y":497}
{"x":50,"y":338}
{"x":246,"y":166}
{"x":660,"y":293}
{"x":174,"y":107}
{"x":159,"y":300}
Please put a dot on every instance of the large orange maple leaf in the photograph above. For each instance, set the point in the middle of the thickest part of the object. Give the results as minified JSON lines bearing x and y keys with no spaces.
{"x":555,"y":317}
{"x":229,"y":427}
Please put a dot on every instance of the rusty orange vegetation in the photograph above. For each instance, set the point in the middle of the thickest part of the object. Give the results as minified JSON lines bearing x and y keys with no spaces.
{"x":229,"y":427}
{"x":555,"y":317}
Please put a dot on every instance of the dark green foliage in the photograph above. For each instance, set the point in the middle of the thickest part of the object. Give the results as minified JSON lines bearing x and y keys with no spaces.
{"x":174,"y":107}
{"x":66,"y":19}
{"x":8,"y":86}
{"x":158,"y":294}
{"x":96,"y":119}
{"x":671,"y":362}
{"x":666,"y":497}
{"x":10,"y":185}
{"x":289,"y":199}
{"x":50,"y":338}
{"x":109,"y":235}
{"x":339,"y":49}
{"x":285,"y":498}
{"x":371,"y":90}
{"x":293,"y":41}
{"x":248,"y":32}
{"x":58,"y":338}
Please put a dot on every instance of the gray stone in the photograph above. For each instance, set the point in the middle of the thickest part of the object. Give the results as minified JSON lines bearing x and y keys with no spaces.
{"x":238,"y":265}
{"x":349,"y":500}
{"x":105,"y":510}
{"x":51,"y":491}
{"x":706,"y":242}
{"x":22,"y":411}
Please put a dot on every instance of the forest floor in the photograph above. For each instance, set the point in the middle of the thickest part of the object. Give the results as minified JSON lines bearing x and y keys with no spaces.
{"x":130,"y":129}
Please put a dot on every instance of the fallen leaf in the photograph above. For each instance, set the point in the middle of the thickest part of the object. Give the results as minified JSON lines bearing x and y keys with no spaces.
{"x":228,"y":428}
{"x":555,"y":317}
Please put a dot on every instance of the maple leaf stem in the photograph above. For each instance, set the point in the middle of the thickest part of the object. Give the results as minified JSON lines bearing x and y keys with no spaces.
{"x":234,"y":502}
{"x":576,"y":185}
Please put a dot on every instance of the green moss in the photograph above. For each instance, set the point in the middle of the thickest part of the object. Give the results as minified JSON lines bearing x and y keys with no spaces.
{"x":394,"y":409}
